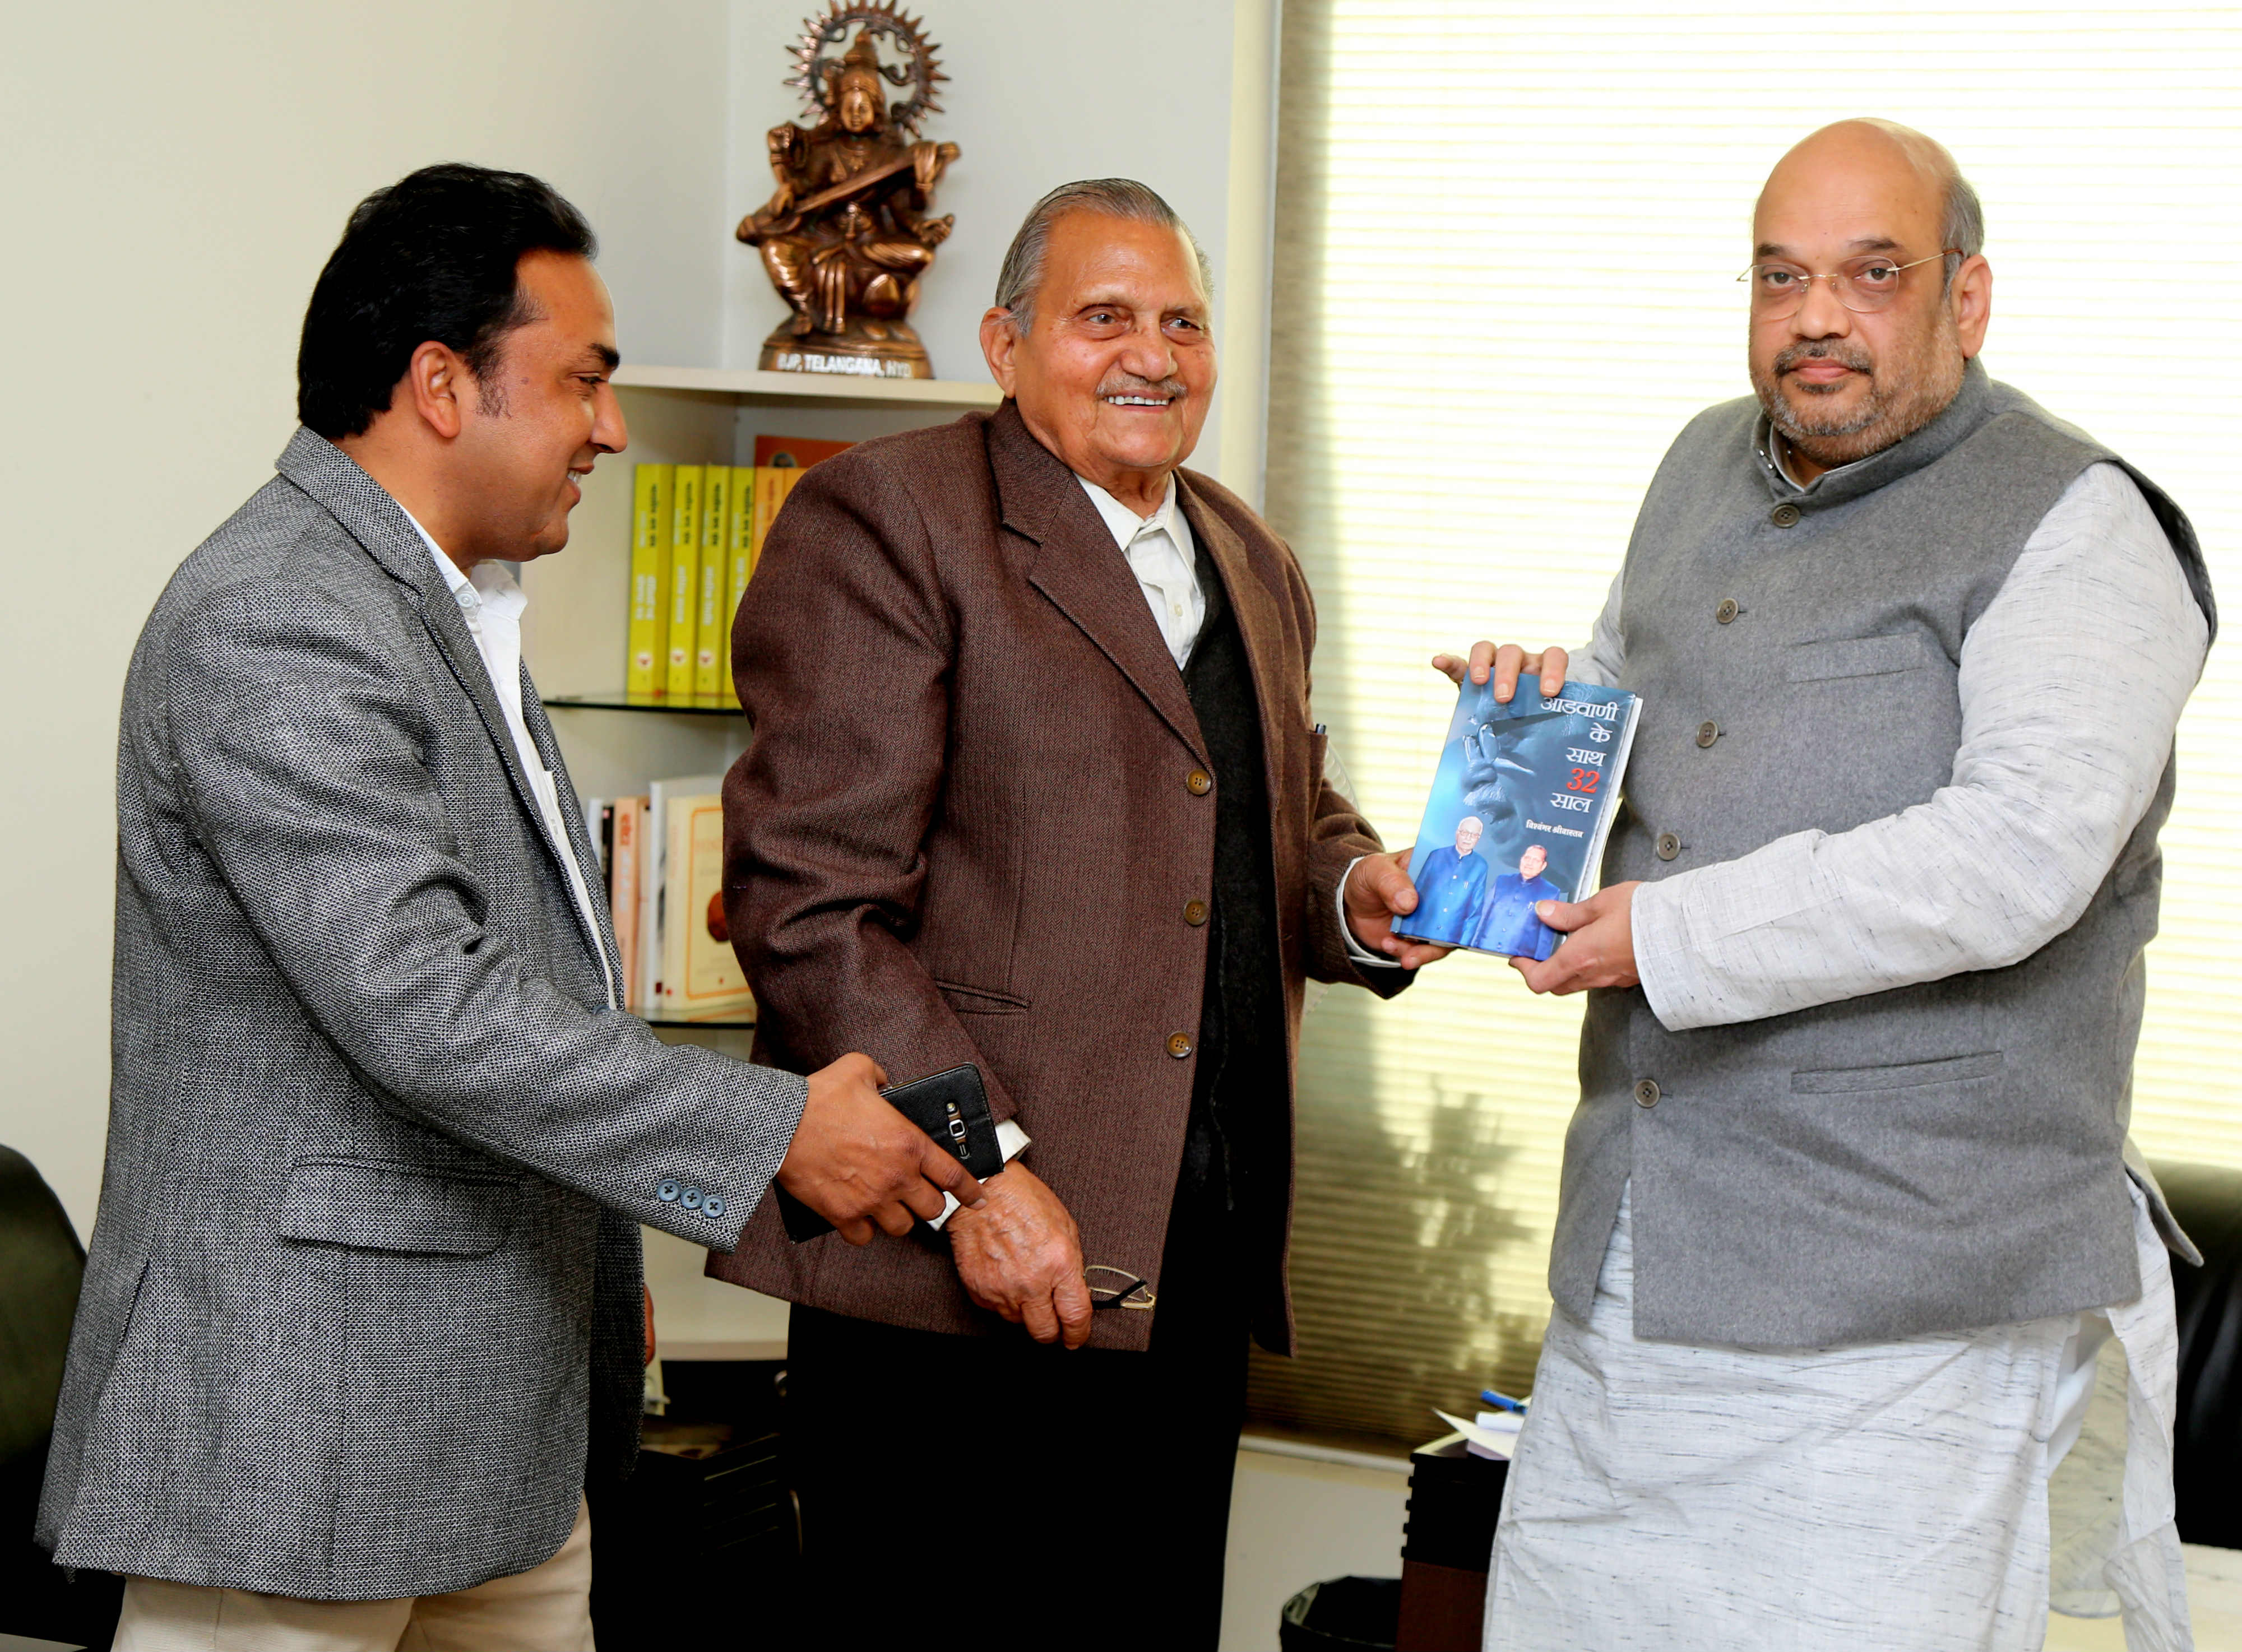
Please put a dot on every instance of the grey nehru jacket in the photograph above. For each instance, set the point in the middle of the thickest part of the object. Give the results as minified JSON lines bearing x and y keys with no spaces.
{"x":1938,"y":1156}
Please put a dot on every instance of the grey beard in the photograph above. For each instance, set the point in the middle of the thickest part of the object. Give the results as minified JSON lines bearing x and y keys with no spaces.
{"x":1901,"y":401}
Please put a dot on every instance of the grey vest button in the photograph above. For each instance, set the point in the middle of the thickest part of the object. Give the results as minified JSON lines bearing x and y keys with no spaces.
{"x":690,"y":1199}
{"x":1646,"y":1093}
{"x":1708,"y":733}
{"x":711,"y":1205}
{"x":1669,"y":846}
{"x":666,"y":1191}
{"x":1784,"y":516}
{"x":1726,"y":612}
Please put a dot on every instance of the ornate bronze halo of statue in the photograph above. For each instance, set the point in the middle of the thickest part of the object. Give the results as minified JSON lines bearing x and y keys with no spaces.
{"x":845,"y":237}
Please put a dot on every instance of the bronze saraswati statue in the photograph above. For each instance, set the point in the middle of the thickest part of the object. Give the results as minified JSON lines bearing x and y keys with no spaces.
{"x":845,"y":237}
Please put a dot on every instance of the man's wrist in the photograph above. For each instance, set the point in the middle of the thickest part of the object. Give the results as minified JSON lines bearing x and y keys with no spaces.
{"x":1012,"y":1141}
{"x":1657,"y":932}
{"x":1356,"y":951}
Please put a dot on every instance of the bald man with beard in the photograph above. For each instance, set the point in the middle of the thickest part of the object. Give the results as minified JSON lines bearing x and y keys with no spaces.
{"x":1850,"y":1226}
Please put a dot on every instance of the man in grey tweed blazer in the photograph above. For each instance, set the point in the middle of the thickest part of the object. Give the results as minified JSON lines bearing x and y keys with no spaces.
{"x":363,"y":1309}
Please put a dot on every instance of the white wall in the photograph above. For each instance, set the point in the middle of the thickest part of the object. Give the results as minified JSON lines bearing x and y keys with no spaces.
{"x":1041,"y":92}
{"x":176,"y":176}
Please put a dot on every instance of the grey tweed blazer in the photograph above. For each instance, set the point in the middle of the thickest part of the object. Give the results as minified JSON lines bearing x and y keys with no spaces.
{"x":362,"y":1307}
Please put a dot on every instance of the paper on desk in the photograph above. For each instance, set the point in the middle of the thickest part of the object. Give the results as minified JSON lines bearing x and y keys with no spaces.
{"x":1485,"y":1438}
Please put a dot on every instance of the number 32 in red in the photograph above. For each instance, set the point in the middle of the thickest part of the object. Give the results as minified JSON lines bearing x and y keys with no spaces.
{"x":1583,"y":780}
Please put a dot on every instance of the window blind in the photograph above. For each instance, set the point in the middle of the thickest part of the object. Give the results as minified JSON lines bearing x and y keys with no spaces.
{"x":1506,"y":240}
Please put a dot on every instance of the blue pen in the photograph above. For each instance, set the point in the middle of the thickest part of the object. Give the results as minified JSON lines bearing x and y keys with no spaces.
{"x":1503,"y":1400}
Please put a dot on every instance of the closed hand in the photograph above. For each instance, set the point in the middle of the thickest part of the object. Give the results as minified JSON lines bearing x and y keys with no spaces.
{"x":1378,"y":891}
{"x":858,"y":1162}
{"x":1018,"y":1254}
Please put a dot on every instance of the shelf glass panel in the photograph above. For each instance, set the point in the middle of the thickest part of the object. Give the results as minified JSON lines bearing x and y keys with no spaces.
{"x":837,"y":390}
{"x":621,"y":702}
{"x":736,"y":1023}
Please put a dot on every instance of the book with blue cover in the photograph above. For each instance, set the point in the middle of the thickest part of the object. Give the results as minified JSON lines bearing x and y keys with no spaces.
{"x":1521,"y":804}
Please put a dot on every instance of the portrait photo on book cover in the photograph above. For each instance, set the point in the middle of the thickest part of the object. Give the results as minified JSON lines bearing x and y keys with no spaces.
{"x":1519,"y":810}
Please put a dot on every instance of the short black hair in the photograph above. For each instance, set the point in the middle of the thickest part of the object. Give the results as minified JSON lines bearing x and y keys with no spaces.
{"x":432,"y":257}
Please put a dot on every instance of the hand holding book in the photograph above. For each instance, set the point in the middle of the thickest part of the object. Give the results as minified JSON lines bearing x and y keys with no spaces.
{"x":1522,"y":800}
{"x":1599,"y":946}
{"x":1599,"y":950}
{"x":1380,"y":895}
{"x":1506,"y":664}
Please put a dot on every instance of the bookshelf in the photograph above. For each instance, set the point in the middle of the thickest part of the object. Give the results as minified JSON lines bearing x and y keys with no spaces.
{"x":573,"y":637}
{"x":575,"y":631}
{"x":750,"y":384}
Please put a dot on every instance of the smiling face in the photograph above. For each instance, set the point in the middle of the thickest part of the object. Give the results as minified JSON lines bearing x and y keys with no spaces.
{"x":546,"y":411}
{"x":1840,"y":384}
{"x":1467,"y":832}
{"x":1533,"y":862}
{"x":1114,"y":366}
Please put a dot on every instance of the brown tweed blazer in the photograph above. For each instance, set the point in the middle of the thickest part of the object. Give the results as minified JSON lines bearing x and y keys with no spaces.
{"x":973,"y":814}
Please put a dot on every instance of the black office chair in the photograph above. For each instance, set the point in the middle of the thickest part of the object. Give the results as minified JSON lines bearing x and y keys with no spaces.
{"x":40,"y":1264}
{"x":2207,"y":1439}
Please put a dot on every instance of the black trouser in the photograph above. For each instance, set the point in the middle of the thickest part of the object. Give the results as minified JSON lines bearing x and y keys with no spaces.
{"x":957,"y":1487}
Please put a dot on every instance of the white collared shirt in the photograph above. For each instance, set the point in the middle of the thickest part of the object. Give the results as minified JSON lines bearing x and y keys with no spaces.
{"x":491,"y":601}
{"x":1162,"y":554}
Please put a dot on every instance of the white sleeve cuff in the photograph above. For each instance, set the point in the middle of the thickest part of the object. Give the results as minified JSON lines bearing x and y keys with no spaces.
{"x":1355,"y":949}
{"x":1661,"y":960}
{"x":1012,"y":1141}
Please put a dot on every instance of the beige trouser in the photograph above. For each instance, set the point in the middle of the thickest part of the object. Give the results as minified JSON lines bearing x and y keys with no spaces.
{"x":546,"y":1608}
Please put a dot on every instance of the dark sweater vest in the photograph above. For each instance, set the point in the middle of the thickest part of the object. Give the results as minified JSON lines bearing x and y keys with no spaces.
{"x":1237,"y":1154}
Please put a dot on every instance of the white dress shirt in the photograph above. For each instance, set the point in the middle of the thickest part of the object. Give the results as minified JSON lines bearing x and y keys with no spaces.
{"x":491,"y":601}
{"x":1163,"y":555}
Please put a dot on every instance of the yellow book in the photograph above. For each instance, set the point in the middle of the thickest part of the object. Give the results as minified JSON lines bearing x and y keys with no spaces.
{"x":780,"y":461}
{"x":773,"y":483}
{"x":712,"y":642}
{"x":684,"y":579}
{"x":645,"y":672}
{"x":739,"y":562}
{"x":700,"y":974}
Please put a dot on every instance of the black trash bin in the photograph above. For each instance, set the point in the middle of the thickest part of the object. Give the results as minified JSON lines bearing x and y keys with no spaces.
{"x":1342,"y":1613}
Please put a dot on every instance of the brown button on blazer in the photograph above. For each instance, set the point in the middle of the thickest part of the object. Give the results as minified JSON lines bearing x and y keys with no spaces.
{"x":976,"y":815}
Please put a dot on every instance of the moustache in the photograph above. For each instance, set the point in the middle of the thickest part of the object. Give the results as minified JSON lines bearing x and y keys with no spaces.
{"x":1823,"y":350}
{"x":1173,"y":389}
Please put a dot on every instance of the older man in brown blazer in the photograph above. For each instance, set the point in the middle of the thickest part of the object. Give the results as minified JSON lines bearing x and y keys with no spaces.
{"x":1036,"y":785}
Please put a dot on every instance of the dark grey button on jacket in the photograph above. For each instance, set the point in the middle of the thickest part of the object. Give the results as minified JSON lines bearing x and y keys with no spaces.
{"x":362,"y":1306}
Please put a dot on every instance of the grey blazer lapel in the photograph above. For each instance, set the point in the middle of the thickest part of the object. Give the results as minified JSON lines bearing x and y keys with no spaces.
{"x":378,"y":523}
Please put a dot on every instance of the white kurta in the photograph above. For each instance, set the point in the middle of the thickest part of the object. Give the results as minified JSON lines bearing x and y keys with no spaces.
{"x":1918,"y":1495}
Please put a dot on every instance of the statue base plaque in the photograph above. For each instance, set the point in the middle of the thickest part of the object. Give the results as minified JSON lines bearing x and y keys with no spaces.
{"x":867,"y":349}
